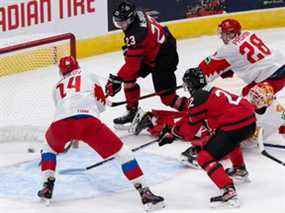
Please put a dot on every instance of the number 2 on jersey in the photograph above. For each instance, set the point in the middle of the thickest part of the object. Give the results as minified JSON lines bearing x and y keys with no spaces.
{"x":255,"y":49}
{"x":160,"y":37}
{"x":73,"y":83}
{"x":229,"y":97}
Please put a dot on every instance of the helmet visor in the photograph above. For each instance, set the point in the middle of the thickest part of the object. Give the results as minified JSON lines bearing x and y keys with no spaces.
{"x":121,"y":24}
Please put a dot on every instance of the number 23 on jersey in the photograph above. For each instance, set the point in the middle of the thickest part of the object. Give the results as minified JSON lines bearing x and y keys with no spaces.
{"x":72,"y":85}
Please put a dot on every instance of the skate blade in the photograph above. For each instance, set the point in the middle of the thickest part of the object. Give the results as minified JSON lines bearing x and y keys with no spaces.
{"x":154,"y":207}
{"x":232,"y":203}
{"x":186,"y":163}
{"x":122,"y":126}
{"x":46,"y":202}
{"x":239,"y":180}
{"x":132,"y":129}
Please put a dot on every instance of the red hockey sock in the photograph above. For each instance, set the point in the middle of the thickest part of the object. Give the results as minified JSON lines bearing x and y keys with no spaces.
{"x":132,"y":96}
{"x":214,"y":169}
{"x":236,"y":158}
{"x":282,"y":130}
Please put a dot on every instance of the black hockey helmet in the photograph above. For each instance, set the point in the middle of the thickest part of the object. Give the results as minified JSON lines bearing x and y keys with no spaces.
{"x":124,"y":14}
{"x":193,"y":80}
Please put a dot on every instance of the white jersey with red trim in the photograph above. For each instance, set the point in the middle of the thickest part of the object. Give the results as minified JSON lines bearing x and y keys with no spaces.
{"x":74,"y":95}
{"x":247,"y":56}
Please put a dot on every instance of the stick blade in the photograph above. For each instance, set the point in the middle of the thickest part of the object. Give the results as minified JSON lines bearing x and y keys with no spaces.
{"x":71,"y":171}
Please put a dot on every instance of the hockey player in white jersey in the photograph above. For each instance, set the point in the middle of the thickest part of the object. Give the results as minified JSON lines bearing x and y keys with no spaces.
{"x":260,"y":67}
{"x":79,"y":99}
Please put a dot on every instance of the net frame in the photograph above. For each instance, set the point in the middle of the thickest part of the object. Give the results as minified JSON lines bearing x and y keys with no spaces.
{"x":6,"y":52}
{"x":27,"y":132}
{"x":43,"y":41}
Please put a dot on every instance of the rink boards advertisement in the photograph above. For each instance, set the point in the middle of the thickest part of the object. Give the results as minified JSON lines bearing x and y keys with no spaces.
{"x":84,"y":18}
{"x":91,"y":20}
{"x":188,"y":9}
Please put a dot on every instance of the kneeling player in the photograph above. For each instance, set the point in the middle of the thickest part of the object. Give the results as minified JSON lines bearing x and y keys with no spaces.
{"x":231,"y":120}
{"x":79,"y":100}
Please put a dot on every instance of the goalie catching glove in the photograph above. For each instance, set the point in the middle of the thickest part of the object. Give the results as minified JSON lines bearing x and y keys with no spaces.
{"x":113,"y":86}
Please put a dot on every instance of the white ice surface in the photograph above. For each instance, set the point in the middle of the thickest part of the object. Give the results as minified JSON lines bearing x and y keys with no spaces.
{"x":28,"y":102}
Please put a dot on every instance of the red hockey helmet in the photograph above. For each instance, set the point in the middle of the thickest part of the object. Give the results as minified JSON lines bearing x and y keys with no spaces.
{"x":67,"y":64}
{"x":230,"y":26}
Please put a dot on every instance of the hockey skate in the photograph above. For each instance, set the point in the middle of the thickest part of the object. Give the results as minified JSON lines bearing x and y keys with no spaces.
{"x":46,"y":192}
{"x":238,"y":174}
{"x":124,"y":122}
{"x":228,"y":199}
{"x":188,"y":157}
{"x":141,"y":121}
{"x":150,"y":201}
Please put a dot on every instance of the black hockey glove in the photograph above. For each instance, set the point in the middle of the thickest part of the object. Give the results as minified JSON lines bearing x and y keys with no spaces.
{"x":166,"y":136}
{"x":113,"y":86}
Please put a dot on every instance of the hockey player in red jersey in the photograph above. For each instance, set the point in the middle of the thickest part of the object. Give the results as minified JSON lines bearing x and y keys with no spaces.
{"x":79,"y":99}
{"x":149,"y":48}
{"x":260,"y":67}
{"x":230,"y":119}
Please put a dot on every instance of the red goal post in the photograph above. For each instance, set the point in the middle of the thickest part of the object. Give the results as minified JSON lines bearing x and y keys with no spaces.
{"x":35,"y":53}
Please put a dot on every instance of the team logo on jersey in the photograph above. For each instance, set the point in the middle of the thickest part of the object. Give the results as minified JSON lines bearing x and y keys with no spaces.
{"x":208,"y":60}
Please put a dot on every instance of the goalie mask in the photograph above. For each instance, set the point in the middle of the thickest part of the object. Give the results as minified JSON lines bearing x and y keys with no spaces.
{"x":261,"y":95}
{"x":124,"y":15}
{"x":193,"y":80}
{"x":67,"y":64}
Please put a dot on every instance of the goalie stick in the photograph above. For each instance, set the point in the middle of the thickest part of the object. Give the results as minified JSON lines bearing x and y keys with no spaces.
{"x":114,"y":104}
{"x":75,"y":170}
{"x":263,"y":151}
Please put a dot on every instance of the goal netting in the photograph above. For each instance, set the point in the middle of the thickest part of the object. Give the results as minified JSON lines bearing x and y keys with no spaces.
{"x":28,"y":73}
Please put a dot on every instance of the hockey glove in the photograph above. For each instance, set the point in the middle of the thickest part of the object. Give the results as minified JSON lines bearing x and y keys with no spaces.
{"x":99,"y":94}
{"x":113,"y":86}
{"x":166,"y":136}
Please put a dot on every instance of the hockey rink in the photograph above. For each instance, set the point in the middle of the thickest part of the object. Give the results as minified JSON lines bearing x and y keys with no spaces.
{"x":26,"y":100}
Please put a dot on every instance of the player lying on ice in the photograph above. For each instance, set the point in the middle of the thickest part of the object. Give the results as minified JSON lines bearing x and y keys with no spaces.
{"x":229,"y":118}
{"x":79,"y":99}
{"x":149,"y":48}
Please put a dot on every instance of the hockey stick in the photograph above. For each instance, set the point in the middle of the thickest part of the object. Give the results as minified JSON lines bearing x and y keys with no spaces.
{"x":114,"y":104}
{"x":75,"y":170}
{"x":264,"y":152}
{"x":274,"y":145}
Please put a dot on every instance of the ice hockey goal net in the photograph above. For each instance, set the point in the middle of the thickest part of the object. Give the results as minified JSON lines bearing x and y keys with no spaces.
{"x":27,"y":76}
